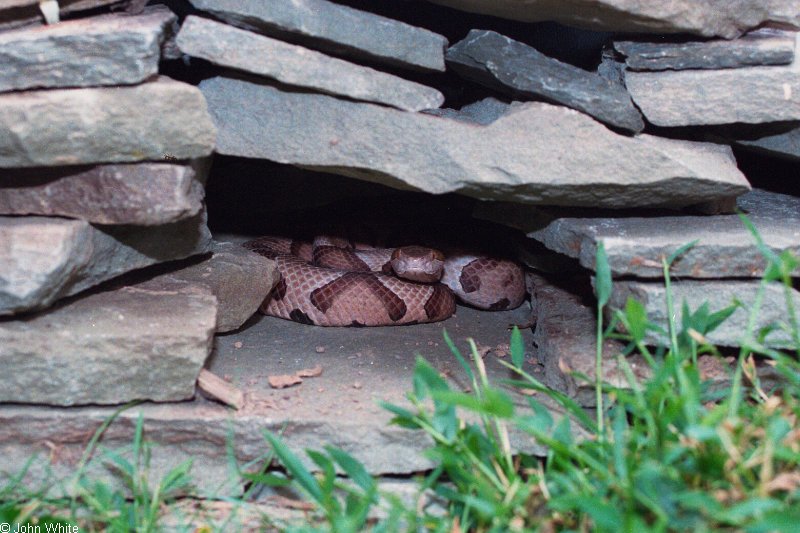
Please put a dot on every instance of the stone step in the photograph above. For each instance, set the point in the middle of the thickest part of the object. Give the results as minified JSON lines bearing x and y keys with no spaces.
{"x":360,"y":368}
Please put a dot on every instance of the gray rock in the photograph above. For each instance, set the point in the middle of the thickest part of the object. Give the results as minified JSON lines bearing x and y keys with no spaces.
{"x":635,"y":245}
{"x":154,"y":120}
{"x":499,"y":161}
{"x":294,"y":65}
{"x":710,"y":18}
{"x":521,"y":71}
{"x":482,"y":112}
{"x":238,"y":278}
{"x":612,"y":66}
{"x":726,"y":96}
{"x":564,"y":342}
{"x":16,"y":13}
{"x":765,"y":46}
{"x":44,"y":259}
{"x":103,"y":50}
{"x":565,"y":346}
{"x":109,"y":347}
{"x":360,"y":368}
{"x":719,"y":294}
{"x":143,"y":194}
{"x":782,"y":141}
{"x":335,"y":28}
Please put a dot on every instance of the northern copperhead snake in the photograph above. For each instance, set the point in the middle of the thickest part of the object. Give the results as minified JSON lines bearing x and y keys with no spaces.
{"x":329,"y":283}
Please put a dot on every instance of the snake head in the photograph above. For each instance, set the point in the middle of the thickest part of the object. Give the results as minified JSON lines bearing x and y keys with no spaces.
{"x":418,"y":263}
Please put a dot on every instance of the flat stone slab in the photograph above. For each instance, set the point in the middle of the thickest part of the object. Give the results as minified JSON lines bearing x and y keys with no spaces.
{"x":16,"y":13}
{"x":43,"y":259}
{"x":335,"y":28}
{"x":238,"y":278}
{"x":717,"y":18}
{"x":102,"y":50}
{"x":144,"y":194}
{"x":360,"y":368}
{"x":298,"y":66}
{"x":500,"y":161}
{"x":635,"y":245}
{"x":109,"y":347}
{"x":565,"y":344}
{"x":765,"y":46}
{"x":719,"y":294}
{"x":702,"y":97}
{"x":522,"y":71}
{"x":783,"y":141}
{"x":104,"y":125}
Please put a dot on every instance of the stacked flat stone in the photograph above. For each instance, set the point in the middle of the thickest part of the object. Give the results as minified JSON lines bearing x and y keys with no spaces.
{"x":103,"y":172}
{"x":104,"y":163}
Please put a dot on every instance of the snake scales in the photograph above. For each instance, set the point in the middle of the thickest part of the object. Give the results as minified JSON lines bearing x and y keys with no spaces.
{"x":331,"y":283}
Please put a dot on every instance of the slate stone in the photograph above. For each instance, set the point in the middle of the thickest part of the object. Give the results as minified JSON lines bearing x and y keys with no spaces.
{"x":781,"y":140}
{"x":565,"y":343}
{"x":43,"y":259}
{"x":297,"y":66}
{"x":154,"y":120}
{"x":515,"y":68}
{"x":238,"y":278}
{"x":482,"y":112}
{"x":142,"y":194}
{"x":16,"y":13}
{"x":715,"y":18}
{"x":635,"y":245}
{"x":765,"y":46}
{"x":719,"y":294}
{"x":335,"y":28}
{"x":499,"y":161}
{"x":109,"y":347}
{"x":700,"y":97}
{"x":328,"y":408}
{"x":102,"y":50}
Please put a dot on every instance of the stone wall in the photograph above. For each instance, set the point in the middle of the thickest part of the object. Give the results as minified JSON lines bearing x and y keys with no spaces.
{"x":112,"y":288}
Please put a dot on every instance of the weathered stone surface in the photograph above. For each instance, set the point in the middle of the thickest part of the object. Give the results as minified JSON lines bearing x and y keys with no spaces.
{"x":96,"y":125}
{"x":103,"y":50}
{"x":482,"y":112}
{"x":635,"y":245}
{"x":44,"y":259}
{"x":294,"y":65}
{"x":565,"y":342}
{"x":335,"y":28}
{"x":522,"y":71}
{"x":361,"y":367}
{"x":143,"y":194}
{"x":238,"y":278}
{"x":710,"y":18}
{"x":782,"y":141}
{"x":16,"y":13}
{"x":725,"y":96}
{"x":502,"y":160}
{"x":109,"y":348}
{"x":765,"y":46}
{"x":719,"y":294}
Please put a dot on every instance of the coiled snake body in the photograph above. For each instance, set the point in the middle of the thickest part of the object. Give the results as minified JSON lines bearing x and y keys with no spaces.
{"x":330,"y":283}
